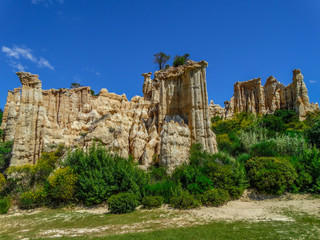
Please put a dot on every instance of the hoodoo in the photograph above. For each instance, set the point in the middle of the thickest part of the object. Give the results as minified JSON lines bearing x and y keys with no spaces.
{"x":251,"y":96}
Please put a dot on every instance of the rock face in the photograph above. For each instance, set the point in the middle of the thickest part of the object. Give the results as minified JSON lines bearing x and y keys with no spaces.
{"x":251,"y":96}
{"x":158,"y":127}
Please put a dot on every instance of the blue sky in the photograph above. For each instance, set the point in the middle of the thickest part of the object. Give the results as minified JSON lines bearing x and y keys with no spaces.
{"x":108,"y":44}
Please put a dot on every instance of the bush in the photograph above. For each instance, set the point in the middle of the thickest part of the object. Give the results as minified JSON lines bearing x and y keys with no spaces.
{"x":122,"y":203}
{"x":215,"y":197}
{"x":225,"y":176}
{"x":152,"y":202}
{"x":45,"y":166}
{"x":164,"y":188}
{"x":5,"y":154}
{"x":314,"y":134}
{"x":308,"y":169}
{"x":20,"y":178}
{"x":270,"y":175}
{"x":235,"y":192}
{"x":184,"y":200}
{"x":158,"y":174}
{"x":3,"y":182}
{"x":200,"y":185}
{"x":102,"y":174}
{"x":63,"y":184}
{"x":243,"y":158}
{"x":32,"y":199}
{"x":5,"y":204}
{"x":263,"y":149}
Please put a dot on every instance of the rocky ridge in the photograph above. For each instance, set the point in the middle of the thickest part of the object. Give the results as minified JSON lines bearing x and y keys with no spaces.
{"x":158,"y":127}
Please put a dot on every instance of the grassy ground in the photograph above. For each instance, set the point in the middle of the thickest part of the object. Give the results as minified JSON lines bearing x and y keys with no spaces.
{"x":163,"y":223}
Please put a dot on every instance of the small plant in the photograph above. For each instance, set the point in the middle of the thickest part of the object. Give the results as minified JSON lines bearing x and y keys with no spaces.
{"x":215,"y":197}
{"x":184,"y":200}
{"x":5,"y":204}
{"x":180,"y":60}
{"x":112,"y":129}
{"x":152,"y":202}
{"x":122,"y":203}
{"x":83,"y":134}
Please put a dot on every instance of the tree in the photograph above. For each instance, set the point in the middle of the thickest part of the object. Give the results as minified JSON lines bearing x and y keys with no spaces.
{"x":180,"y":60}
{"x":1,"y":114}
{"x":161,"y":59}
{"x":75,"y":85}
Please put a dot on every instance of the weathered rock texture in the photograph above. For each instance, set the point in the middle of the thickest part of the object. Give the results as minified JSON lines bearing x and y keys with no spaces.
{"x":251,"y":96}
{"x":160,"y":126}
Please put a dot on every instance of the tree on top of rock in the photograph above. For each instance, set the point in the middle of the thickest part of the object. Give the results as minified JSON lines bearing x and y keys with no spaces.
{"x":161,"y":59}
{"x":75,"y":85}
{"x":180,"y":60}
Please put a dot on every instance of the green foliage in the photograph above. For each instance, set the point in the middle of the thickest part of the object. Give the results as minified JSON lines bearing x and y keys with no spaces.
{"x":161,"y":59}
{"x":5,"y":204}
{"x":243,"y":158}
{"x":235,"y":192}
{"x":62,"y":185}
{"x":164,"y":188}
{"x":270,"y":175}
{"x":122,"y":203}
{"x":33,"y":198}
{"x":152,"y":202}
{"x":3,"y":182}
{"x":180,"y":60}
{"x":215,"y":197}
{"x":5,"y":154}
{"x":264,"y":149}
{"x":158,"y":174}
{"x":102,"y":174}
{"x":313,"y":134}
{"x":192,"y":178}
{"x":308,"y":169}
{"x":75,"y":85}
{"x":184,"y":200}
{"x":45,"y":165}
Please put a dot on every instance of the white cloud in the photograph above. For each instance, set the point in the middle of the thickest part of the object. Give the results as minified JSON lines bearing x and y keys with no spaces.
{"x":45,"y":63}
{"x":24,"y":53}
{"x":17,"y":66}
{"x":312,"y":81}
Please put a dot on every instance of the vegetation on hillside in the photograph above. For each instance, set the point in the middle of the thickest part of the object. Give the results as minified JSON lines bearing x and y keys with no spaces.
{"x":271,"y":153}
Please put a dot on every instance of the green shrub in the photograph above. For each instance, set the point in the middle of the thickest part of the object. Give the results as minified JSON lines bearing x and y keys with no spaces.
{"x":308,"y":169}
{"x":226,"y":176}
{"x":224,"y":142}
{"x":200,"y":185}
{"x":20,"y":178}
{"x":270,"y":175}
{"x":122,"y":203}
{"x":263,"y":149}
{"x":158,"y":174}
{"x":184,"y":200}
{"x":235,"y":192}
{"x":180,"y":60}
{"x":215,"y":197}
{"x":45,"y":166}
{"x":32,"y":199}
{"x":243,"y":158}
{"x":102,"y":174}
{"x":5,"y":204}
{"x":164,"y":188}
{"x":63,"y":184}
{"x":5,"y":154}
{"x":314,"y":134}
{"x":152,"y":202}
{"x":3,"y":182}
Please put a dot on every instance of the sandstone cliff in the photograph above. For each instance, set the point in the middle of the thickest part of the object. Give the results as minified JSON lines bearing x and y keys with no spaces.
{"x":158,"y":127}
{"x":251,"y":96}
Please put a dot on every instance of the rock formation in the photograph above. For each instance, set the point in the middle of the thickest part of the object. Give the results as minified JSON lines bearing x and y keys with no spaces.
{"x":160,"y":126}
{"x":251,"y":96}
